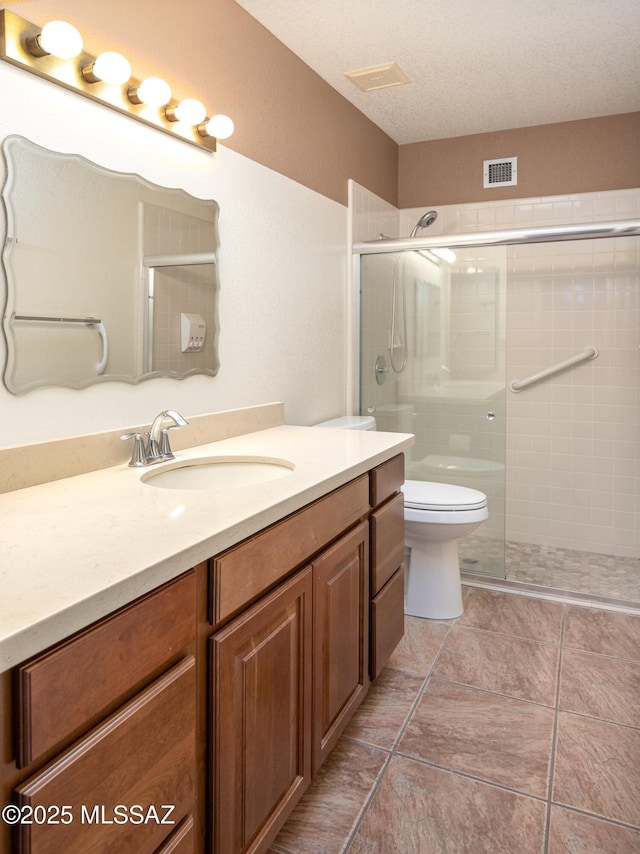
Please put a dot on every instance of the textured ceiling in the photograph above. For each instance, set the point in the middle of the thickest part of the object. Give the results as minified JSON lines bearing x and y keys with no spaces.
{"x":475,"y":65}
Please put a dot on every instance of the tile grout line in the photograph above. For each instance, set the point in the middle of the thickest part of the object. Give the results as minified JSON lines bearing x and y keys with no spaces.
{"x":554,"y":735}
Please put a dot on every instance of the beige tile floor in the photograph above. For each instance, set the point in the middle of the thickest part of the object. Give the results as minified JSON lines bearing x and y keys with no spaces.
{"x":514,"y":729}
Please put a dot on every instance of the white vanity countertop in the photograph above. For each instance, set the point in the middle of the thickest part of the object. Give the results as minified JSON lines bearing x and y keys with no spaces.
{"x":74,"y":550}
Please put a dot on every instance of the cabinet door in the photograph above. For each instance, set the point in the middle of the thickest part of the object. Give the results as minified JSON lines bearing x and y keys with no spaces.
{"x":341,"y":631}
{"x":261,"y":676}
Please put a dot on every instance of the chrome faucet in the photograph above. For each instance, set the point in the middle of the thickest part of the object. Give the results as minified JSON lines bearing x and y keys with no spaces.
{"x":157,"y":449}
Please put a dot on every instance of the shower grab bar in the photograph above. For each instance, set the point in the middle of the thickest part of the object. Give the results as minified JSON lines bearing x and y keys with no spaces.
{"x":585,"y":355}
{"x":189,"y":259}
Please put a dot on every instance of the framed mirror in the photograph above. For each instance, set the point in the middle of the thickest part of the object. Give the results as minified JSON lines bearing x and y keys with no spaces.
{"x":107,"y":276}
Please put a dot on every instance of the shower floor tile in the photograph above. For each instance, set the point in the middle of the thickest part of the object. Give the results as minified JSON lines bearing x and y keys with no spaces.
{"x":568,"y":569}
{"x":546,"y":566}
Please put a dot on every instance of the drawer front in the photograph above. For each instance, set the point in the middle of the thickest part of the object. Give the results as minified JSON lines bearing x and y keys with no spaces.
{"x":241,"y":574}
{"x":387,"y":622}
{"x":386,"y":479}
{"x":143,"y":755}
{"x":387,"y":541}
{"x":67,"y":690}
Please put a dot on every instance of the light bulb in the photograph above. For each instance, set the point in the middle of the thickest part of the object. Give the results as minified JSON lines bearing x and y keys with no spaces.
{"x":109,"y":67}
{"x":219,"y":126}
{"x":152,"y":91}
{"x":58,"y":38}
{"x":189,"y":111}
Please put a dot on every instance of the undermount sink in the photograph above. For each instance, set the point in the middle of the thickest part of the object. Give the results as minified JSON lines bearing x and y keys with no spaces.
{"x":217,"y":472}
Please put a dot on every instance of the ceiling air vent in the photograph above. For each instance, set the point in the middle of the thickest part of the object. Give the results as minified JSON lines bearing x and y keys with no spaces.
{"x":501,"y":173}
{"x":377,"y":77}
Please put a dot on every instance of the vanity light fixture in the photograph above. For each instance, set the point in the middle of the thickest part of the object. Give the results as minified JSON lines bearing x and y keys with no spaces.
{"x":55,"y":53}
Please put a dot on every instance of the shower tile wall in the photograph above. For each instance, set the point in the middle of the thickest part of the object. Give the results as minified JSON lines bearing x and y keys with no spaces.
{"x":572,"y":447}
{"x":573,"y":464}
{"x":371,"y":216}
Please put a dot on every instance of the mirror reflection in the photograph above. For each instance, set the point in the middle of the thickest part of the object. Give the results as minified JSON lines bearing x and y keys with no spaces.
{"x":108,"y":277}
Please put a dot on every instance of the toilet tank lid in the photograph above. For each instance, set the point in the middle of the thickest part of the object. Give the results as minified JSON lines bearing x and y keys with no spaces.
{"x":350,"y":422}
{"x":428,"y":495}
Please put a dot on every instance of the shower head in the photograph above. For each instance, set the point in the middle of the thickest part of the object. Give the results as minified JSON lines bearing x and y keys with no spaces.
{"x":425,"y":221}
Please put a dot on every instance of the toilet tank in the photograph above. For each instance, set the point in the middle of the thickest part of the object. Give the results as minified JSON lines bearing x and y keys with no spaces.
{"x":350,"y":422}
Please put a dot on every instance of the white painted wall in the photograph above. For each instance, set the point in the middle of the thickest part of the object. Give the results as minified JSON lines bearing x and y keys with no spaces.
{"x":282,"y":271}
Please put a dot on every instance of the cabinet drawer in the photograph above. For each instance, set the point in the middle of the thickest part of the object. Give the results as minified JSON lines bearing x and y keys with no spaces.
{"x":387,"y":622}
{"x":241,"y":574}
{"x":143,"y":755}
{"x":387,"y":541}
{"x":386,"y":479}
{"x":63,"y":692}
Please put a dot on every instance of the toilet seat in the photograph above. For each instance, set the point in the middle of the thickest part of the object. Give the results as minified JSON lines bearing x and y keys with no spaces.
{"x":438,"y":497}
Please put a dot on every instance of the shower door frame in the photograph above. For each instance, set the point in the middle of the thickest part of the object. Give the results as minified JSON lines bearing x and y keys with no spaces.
{"x":511,"y":237}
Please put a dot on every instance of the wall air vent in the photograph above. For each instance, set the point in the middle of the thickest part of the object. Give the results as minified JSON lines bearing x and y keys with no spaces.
{"x":501,"y":173}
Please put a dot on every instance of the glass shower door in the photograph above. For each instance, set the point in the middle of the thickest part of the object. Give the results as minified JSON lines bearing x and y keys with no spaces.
{"x":432,"y":362}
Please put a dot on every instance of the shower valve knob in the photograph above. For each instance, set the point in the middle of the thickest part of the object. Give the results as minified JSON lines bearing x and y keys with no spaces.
{"x":490,"y":416}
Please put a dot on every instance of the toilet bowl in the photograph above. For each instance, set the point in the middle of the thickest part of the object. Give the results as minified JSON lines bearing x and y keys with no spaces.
{"x":436,"y":516}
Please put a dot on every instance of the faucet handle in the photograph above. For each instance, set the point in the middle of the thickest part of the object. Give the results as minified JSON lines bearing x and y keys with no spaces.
{"x":139,"y":455}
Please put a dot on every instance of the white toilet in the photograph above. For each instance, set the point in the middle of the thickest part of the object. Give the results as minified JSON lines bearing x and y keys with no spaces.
{"x":436,"y":516}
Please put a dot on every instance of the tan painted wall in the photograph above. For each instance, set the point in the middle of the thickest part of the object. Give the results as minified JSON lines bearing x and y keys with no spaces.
{"x":287,"y":118}
{"x":568,"y":157}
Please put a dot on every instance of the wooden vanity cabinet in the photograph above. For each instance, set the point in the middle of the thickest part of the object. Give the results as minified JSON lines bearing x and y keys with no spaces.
{"x":220,"y":693}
